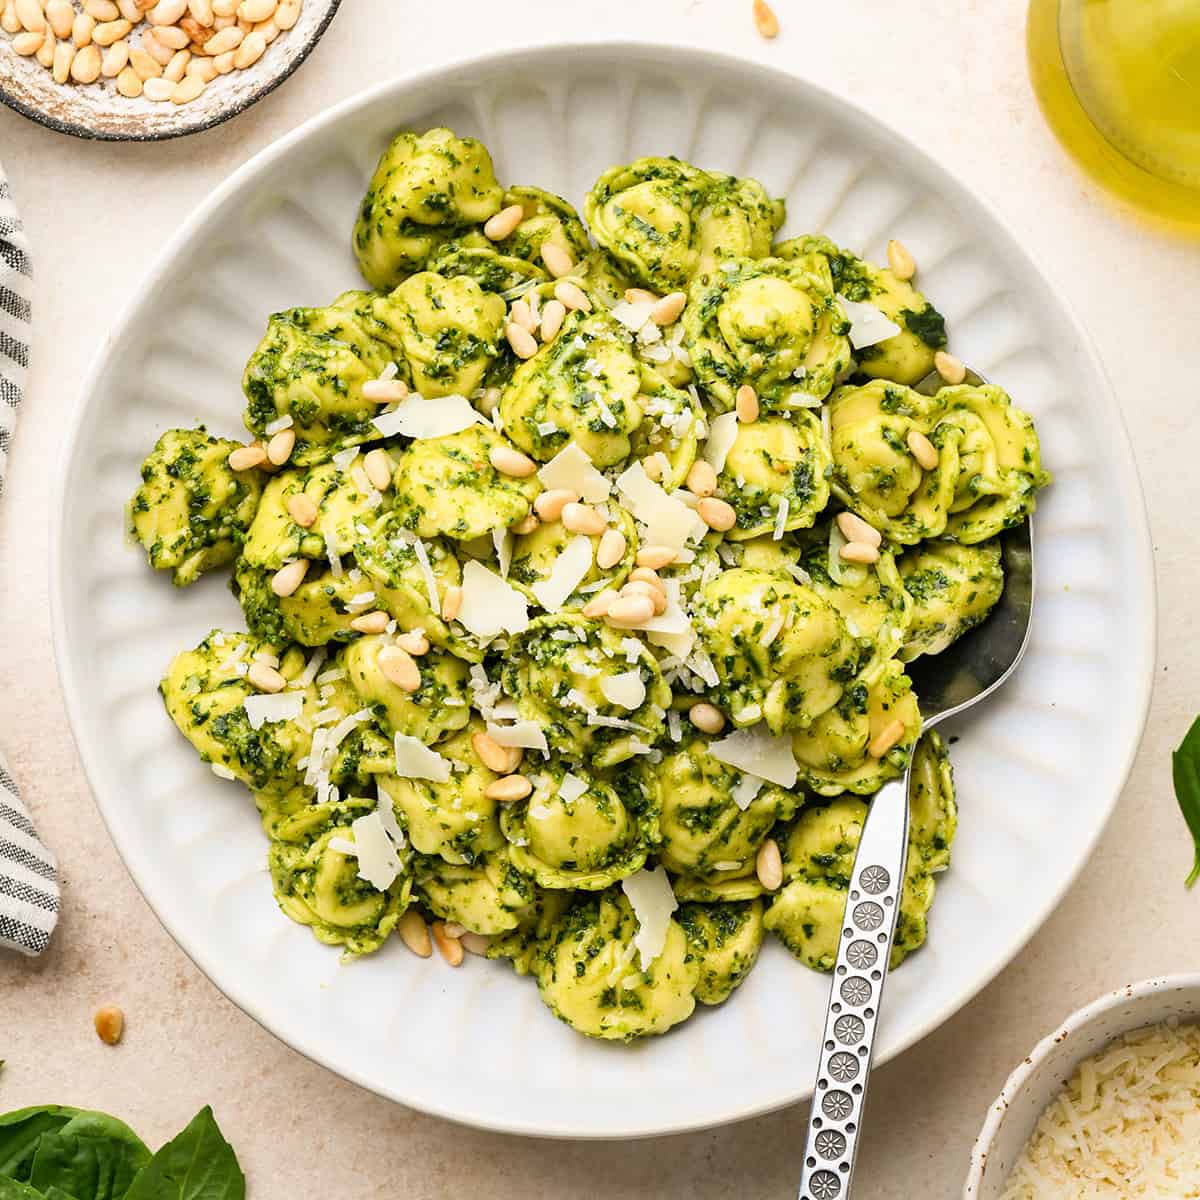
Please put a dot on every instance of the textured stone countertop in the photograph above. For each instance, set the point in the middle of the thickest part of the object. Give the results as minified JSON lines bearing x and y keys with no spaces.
{"x":950,"y":72}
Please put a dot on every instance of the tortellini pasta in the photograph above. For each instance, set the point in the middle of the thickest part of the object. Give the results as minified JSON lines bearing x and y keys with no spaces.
{"x":724,"y":940}
{"x":952,"y":589}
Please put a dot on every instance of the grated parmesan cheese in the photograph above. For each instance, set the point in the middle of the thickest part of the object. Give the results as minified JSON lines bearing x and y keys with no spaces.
{"x":489,"y":605}
{"x":626,"y":690}
{"x":283,"y":706}
{"x":722,"y":433}
{"x":421,"y":418}
{"x":415,"y":760}
{"x":567,"y":573}
{"x":757,"y":752}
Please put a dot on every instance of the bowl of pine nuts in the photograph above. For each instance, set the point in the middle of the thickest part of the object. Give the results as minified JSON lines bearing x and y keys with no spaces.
{"x":144,"y":70}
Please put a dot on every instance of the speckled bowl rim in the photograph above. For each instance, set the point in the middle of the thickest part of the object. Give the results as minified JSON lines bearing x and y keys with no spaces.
{"x":1078,"y":1021}
{"x":236,"y":108}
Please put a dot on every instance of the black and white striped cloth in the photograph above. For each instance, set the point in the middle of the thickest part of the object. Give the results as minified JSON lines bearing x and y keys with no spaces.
{"x":28,"y":873}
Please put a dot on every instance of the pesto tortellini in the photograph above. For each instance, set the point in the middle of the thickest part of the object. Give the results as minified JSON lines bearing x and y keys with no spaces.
{"x":551,"y":538}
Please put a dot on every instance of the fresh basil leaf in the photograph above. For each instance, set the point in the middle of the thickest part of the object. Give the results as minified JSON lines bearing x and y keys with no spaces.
{"x":93,"y":1157}
{"x":1185,"y":773}
{"x":20,"y":1132}
{"x":14,"y":1189}
{"x":198,"y":1164}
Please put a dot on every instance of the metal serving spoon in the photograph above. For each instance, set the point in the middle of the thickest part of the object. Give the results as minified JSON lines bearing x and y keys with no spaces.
{"x":946,"y":684}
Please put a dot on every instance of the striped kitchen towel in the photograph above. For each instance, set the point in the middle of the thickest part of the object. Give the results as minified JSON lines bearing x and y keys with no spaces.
{"x":28,"y":872}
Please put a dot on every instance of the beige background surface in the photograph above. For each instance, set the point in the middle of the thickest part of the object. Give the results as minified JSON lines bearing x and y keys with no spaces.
{"x":951,"y":74}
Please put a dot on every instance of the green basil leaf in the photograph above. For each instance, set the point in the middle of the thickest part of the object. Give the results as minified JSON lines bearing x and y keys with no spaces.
{"x":20,"y":1132}
{"x":14,"y":1189}
{"x":93,"y":1157}
{"x":198,"y":1164}
{"x":1185,"y":773}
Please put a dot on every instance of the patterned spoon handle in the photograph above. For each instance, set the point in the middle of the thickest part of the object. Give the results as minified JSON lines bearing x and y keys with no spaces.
{"x":869,"y":925}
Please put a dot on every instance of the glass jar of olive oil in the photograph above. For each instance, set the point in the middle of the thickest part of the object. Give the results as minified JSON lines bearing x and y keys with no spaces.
{"x":1119,"y":82}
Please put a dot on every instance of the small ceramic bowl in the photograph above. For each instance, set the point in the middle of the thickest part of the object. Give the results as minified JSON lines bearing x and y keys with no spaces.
{"x":1030,"y":1088}
{"x":99,"y":111}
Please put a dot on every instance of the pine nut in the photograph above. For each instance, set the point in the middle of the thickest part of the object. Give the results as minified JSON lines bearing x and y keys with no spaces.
{"x":667,"y":310}
{"x":637,"y":295}
{"x":159,"y":51}
{"x":521,"y":340}
{"x":302,"y":509}
{"x":265,"y":678}
{"x":26,"y":44}
{"x":504,"y":223}
{"x":102,"y":10}
{"x":130,"y":10}
{"x":656,"y":557}
{"x":488,"y":401}
{"x":82,"y":29}
{"x":166,"y":12}
{"x":115,"y":60}
{"x":611,"y":549}
{"x":701,"y":479}
{"x":250,"y":51}
{"x":451,"y":603}
{"x":289,"y":577}
{"x":476,"y":943}
{"x":110,"y":1024}
{"x":708,"y":718}
{"x":129,"y":84}
{"x":526,"y":524}
{"x":287,"y":14}
{"x":549,"y":505}
{"x":61,"y":16}
{"x":768,"y":865}
{"x":557,"y":261}
{"x":859,"y":552}
{"x":746,"y":404}
{"x":413,"y":642}
{"x":765,"y":20}
{"x":508,"y":788}
{"x":64,"y":56}
{"x":886,"y":738}
{"x":900,"y":261}
{"x":855,"y":529}
{"x":599,"y":604}
{"x":201,"y":12}
{"x":267,"y":30}
{"x":45,"y":52}
{"x":639,"y":587}
{"x":147,"y":68}
{"x":629,"y":611}
{"x":9,"y":21}
{"x":414,"y":933}
{"x":554,"y":313}
{"x":223,"y":62}
{"x":521,"y":314}
{"x":280,"y":447}
{"x":205,"y":68}
{"x":86,"y":66}
{"x":177,"y":67}
{"x":31,"y":16}
{"x":382,"y":391}
{"x":716,"y":514}
{"x":511,"y":462}
{"x":399,"y":668}
{"x":923,"y":450}
{"x":949,"y":368}
{"x":494,"y":756}
{"x":159,"y":90}
{"x":172,"y":36}
{"x":371,"y":622}
{"x":110,"y":32}
{"x":225,"y":8}
{"x":449,"y":947}
{"x":225,"y":39}
{"x":572,"y":295}
{"x":583,"y":518}
{"x":256,"y":10}
{"x":378,"y":467}
{"x":647,"y":575}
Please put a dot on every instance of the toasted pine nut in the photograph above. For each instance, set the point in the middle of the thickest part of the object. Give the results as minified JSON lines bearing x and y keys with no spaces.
{"x":549,"y":505}
{"x":110,"y":1024}
{"x":201,"y":12}
{"x":280,"y":447}
{"x":166,"y":12}
{"x":451,"y":603}
{"x":716,"y":514}
{"x":205,"y":68}
{"x":599,"y":604}
{"x":267,"y":30}
{"x":637,"y":295}
{"x":554,"y":312}
{"x":414,"y":933}
{"x":382,"y":391}
{"x":45,"y":52}
{"x":511,"y":462}
{"x":250,"y":51}
{"x":701,"y":479}
{"x":628,"y":611}
{"x":287,"y":14}
{"x":508,"y":788}
{"x":639,"y":587}
{"x":708,"y":718}
{"x":102,"y":10}
{"x":85,"y":68}
{"x":146,"y":68}
{"x":647,"y":575}
{"x":225,"y":39}
{"x":60,"y":14}
{"x":859,"y":552}
{"x":449,"y":947}
{"x":668,"y":308}
{"x":64,"y":56}
{"x":413,"y":642}
{"x":400,"y":668}
{"x":31,"y":16}
{"x":223,"y":62}
{"x":257,"y":10}
{"x":371,"y":622}
{"x":923,"y":450}
{"x":172,"y":36}
{"x":115,"y":60}
{"x":656,"y":557}
{"x":454,"y":929}
{"x":855,"y":529}
{"x":520,"y":313}
{"x":27,"y":43}
{"x":949,"y":368}
{"x":265,"y":678}
{"x":527,"y":524}
{"x":558,"y":262}
{"x":611,"y":549}
{"x":572,"y":295}
{"x":9,"y":21}
{"x":177,"y":67}
{"x":197,"y":33}
{"x":494,"y":756}
{"x":129,"y":83}
{"x":289,"y":577}
{"x":521,"y":340}
{"x":476,"y":943}
{"x":82,"y":29}
{"x":583,"y":518}
{"x":225,"y":8}
{"x":302,"y":509}
{"x":886,"y":738}
{"x":378,"y":468}
{"x":746,"y":404}
{"x":765,"y":20}
{"x":502,"y":225}
{"x":130,"y":10}
{"x":159,"y":51}
{"x":768,"y":865}
{"x":488,"y":401}
{"x":900,"y":261}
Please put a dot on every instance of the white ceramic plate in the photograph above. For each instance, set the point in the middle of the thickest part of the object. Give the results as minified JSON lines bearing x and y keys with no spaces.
{"x":1039,"y":769}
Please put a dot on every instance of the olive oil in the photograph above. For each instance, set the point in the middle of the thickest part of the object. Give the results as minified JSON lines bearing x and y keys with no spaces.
{"x":1119,"y":82}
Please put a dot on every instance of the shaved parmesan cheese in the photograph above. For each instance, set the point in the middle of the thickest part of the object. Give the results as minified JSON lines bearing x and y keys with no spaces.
{"x":221,"y":771}
{"x":571,"y":470}
{"x":377,"y":860}
{"x":311,"y":668}
{"x":278,"y":425}
{"x":387,"y":815}
{"x":626,"y":689}
{"x":632,"y":315}
{"x":527,"y":735}
{"x":868,"y":326}
{"x":757,"y":752}
{"x":503,"y":542}
{"x":431,"y":588}
{"x":331,"y":550}
{"x":566,"y":575}
{"x":415,"y":760}
{"x":653,"y":902}
{"x":489,"y":605}
{"x":418,"y":417}
{"x":571,"y":788}
{"x":283,"y":706}
{"x":780,"y":519}
{"x":343,"y":458}
{"x":745,"y":791}
{"x":668,"y":521}
{"x":722,"y":433}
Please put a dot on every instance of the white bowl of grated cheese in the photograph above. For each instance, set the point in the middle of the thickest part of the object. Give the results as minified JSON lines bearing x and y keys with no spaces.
{"x":1108,"y":1104}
